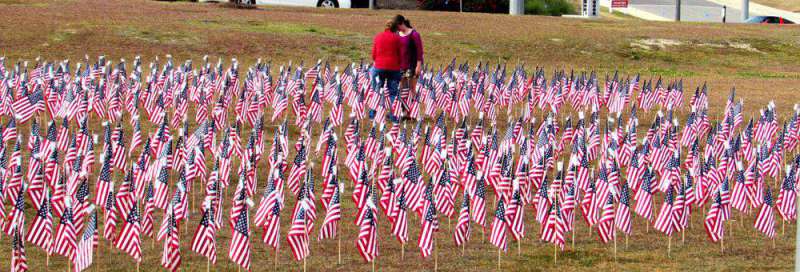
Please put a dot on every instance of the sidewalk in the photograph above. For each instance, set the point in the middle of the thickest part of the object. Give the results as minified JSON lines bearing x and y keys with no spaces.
{"x":756,"y":8}
{"x":697,"y":10}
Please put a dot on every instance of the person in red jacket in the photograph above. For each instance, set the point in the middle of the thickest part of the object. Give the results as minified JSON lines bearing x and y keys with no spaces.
{"x":385,"y":71}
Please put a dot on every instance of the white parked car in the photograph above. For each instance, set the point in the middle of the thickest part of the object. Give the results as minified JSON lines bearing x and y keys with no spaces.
{"x":307,"y":3}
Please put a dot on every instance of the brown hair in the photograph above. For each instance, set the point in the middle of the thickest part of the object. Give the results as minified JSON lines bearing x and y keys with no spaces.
{"x":407,"y":23}
{"x":395,"y":22}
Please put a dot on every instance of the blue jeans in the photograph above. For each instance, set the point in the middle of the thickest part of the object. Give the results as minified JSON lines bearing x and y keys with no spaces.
{"x":379,"y":78}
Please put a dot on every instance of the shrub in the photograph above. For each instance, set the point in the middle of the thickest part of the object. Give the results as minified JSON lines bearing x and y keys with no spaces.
{"x":549,"y":7}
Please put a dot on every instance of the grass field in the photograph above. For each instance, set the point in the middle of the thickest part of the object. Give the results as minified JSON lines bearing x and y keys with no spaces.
{"x":762,"y":62}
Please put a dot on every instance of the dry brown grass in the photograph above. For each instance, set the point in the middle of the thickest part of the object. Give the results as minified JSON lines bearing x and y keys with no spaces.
{"x":117,"y":28}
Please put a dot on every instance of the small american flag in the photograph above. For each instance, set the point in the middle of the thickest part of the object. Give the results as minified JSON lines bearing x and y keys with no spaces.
{"x":430,"y":223}
{"x":500,"y":227}
{"x":298,"y":236}
{"x":19,"y":260}
{"x":129,"y":239}
{"x":239,"y":250}
{"x":84,"y":254}
{"x":171,"y":255}
{"x":328,"y":229}
{"x":367,"y":241}
{"x":765,"y":221}
{"x":204,"y":241}
{"x":462,"y":230}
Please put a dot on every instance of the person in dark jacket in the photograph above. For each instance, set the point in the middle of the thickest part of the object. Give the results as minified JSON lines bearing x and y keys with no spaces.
{"x":386,"y":70}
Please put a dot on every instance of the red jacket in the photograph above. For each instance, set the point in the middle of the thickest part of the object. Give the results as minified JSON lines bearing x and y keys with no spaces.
{"x":386,"y":51}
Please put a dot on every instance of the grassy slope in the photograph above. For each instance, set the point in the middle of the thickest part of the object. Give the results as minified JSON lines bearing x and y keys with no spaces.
{"x":69,"y":29}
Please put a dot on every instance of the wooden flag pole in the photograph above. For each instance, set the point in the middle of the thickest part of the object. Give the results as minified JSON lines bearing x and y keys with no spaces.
{"x":402,"y":251}
{"x":573,"y":235}
{"x":276,"y":257}
{"x":669,"y":247}
{"x":435,"y":254}
{"x":773,"y":243}
{"x":722,"y":244}
{"x":339,"y":250}
{"x":683,"y":237}
{"x":615,"y":246}
{"x":137,"y":266}
{"x":208,"y":265}
{"x":463,"y":248}
{"x":626,"y":240}
{"x":519,"y":247}
{"x":498,"y":259}
{"x":305,"y":226}
{"x":555,"y":253}
{"x":99,"y":254}
{"x":47,"y":262}
{"x":373,"y":265}
{"x":783,"y":227}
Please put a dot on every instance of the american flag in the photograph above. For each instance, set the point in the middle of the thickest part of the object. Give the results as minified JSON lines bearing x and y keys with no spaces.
{"x":298,"y":235}
{"x":516,"y":215}
{"x":479,"y":203}
{"x":714,"y":221}
{"x":644,"y":197}
{"x":110,"y":216}
{"x":204,"y":241}
{"x":171,"y":255}
{"x":271,"y":225}
{"x":500,"y":227}
{"x":84,"y":254}
{"x":623,"y":213}
{"x":19,"y":260}
{"x":765,"y":221}
{"x":663,"y":222}
{"x":605,"y":227}
{"x":367,"y":241}
{"x":328,"y":229}
{"x":555,"y":226}
{"x":787,"y":200}
{"x":430,"y":223}
{"x":462,"y":230}
{"x":40,"y":232}
{"x":129,"y":239}
{"x":400,"y":216}
{"x":239,"y":249}
{"x":298,"y":171}
{"x":104,"y":183}
{"x":10,"y":131}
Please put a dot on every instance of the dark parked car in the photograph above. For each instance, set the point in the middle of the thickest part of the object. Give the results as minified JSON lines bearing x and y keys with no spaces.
{"x":769,"y":20}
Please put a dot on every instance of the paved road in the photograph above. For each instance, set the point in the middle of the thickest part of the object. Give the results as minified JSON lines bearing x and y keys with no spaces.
{"x":691,"y":10}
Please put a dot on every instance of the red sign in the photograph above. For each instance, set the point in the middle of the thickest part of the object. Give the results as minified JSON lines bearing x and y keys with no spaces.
{"x":619,"y":3}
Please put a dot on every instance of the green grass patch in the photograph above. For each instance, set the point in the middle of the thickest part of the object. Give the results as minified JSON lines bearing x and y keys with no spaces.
{"x":38,"y":4}
{"x":669,"y":72}
{"x":767,"y":75}
{"x":157,"y":36}
{"x":286,"y":28}
{"x":344,"y":53}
